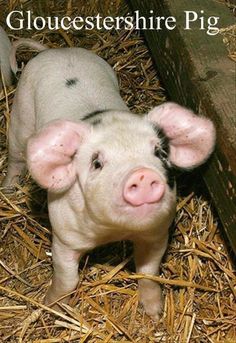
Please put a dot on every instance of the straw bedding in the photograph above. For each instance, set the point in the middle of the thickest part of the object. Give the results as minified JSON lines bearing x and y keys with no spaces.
{"x":197,"y":272}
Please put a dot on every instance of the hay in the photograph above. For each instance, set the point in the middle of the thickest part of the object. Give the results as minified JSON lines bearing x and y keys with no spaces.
{"x":197,"y":273}
{"x":229,"y":39}
{"x":229,"y":33}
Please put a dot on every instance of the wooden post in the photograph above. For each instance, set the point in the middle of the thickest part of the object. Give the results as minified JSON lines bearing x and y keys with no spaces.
{"x":197,"y":73}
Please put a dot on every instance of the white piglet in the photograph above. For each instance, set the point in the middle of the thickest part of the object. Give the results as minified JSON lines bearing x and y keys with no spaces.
{"x":5,"y":69}
{"x":108,"y":172}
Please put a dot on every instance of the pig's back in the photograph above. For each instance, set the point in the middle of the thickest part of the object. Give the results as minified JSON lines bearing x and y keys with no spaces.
{"x":70,"y":83}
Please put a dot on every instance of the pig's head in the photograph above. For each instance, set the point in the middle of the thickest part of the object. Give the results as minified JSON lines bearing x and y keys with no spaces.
{"x":122,"y":162}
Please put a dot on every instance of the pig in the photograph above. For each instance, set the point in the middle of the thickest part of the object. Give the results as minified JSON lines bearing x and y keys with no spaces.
{"x":108,"y":172}
{"x":5,"y":48}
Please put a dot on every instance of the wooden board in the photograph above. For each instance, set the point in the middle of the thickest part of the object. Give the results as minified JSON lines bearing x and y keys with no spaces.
{"x":197,"y":73}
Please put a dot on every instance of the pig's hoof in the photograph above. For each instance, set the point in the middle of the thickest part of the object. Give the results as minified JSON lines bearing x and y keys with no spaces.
{"x":49,"y":298}
{"x":50,"y":302}
{"x":153,"y":309}
{"x":153,"y":303}
{"x":54,"y":301}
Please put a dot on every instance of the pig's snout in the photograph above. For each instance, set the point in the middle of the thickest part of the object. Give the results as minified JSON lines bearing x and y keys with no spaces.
{"x":143,"y":186}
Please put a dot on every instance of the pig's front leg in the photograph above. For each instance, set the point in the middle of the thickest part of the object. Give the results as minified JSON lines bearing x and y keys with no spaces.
{"x":148,"y":256}
{"x":14,"y":170}
{"x":65,"y":276}
{"x":16,"y":159}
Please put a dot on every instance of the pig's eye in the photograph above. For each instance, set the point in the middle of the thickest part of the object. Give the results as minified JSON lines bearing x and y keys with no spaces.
{"x":96,"y":161}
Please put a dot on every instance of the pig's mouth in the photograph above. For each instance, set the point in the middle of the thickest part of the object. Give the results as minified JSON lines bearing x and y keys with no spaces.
{"x":143,"y":209}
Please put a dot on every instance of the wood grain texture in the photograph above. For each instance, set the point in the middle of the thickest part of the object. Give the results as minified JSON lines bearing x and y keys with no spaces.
{"x":197,"y":73}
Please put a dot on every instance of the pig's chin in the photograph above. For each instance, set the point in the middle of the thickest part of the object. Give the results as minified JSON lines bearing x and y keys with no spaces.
{"x":142,"y":211}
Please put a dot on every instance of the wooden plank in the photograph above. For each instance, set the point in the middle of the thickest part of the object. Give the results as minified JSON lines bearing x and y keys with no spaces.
{"x":197,"y":73}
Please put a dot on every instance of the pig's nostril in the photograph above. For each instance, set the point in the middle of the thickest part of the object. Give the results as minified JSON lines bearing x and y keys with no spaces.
{"x":154,"y":184}
{"x":133,"y":187}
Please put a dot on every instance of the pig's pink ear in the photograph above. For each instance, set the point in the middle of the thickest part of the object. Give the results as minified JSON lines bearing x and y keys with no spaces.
{"x":192,"y":138}
{"x":51,"y":152}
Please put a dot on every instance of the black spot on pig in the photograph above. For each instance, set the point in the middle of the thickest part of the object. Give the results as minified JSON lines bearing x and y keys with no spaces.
{"x":170,"y":175}
{"x":71,"y":82}
{"x":94,"y":114}
{"x":165,"y":145}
